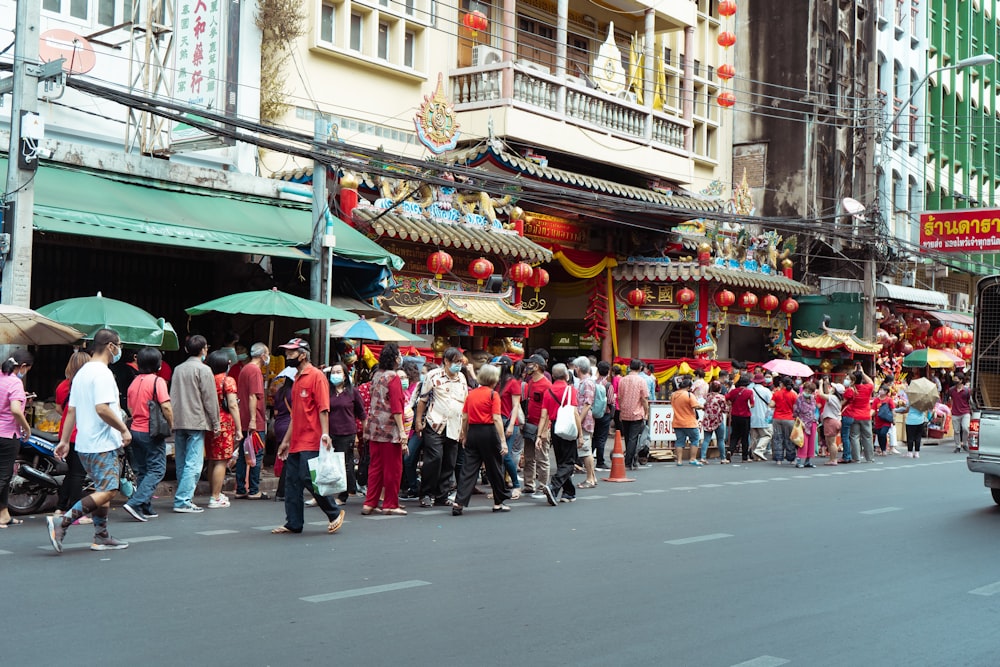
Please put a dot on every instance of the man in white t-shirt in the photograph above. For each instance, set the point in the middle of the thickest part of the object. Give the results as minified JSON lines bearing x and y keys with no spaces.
{"x":100,"y":436}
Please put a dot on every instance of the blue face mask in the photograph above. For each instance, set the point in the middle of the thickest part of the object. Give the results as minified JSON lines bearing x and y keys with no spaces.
{"x":20,"y":376}
{"x":117,"y":357}
{"x":456,"y":368}
{"x":406,"y":383}
{"x":241,"y":357}
{"x":336,"y":380}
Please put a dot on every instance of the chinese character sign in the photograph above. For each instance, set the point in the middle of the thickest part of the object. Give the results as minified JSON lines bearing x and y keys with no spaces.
{"x":199,"y":60}
{"x":971,"y":230}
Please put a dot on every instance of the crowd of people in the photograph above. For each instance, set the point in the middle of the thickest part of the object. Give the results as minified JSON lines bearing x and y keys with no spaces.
{"x":420,"y":431}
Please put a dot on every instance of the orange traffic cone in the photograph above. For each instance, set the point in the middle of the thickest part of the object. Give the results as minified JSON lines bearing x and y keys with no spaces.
{"x":618,"y":462}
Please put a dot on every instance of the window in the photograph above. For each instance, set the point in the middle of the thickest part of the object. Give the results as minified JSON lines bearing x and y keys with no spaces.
{"x":104,"y":12}
{"x":79,"y":9}
{"x":326,"y":24}
{"x":409,"y":40}
{"x":383,"y":40}
{"x":357,"y":26}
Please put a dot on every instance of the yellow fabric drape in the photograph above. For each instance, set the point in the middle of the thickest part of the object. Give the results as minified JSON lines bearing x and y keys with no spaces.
{"x":575,"y":288}
{"x":584,"y":272}
{"x":612,"y":316}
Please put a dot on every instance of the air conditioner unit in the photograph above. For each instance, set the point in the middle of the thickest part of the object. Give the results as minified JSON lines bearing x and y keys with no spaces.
{"x":960,"y":302}
{"x":909,"y":279}
{"x":486,"y":55}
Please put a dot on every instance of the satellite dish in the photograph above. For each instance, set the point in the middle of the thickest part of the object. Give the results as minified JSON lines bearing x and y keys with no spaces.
{"x":853,"y":207}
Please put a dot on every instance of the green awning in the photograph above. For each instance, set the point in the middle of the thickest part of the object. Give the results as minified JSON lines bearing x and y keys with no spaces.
{"x":352,"y":244}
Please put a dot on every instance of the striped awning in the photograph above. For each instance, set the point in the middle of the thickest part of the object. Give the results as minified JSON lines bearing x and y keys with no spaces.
{"x":473,"y":310}
{"x":693,"y":272}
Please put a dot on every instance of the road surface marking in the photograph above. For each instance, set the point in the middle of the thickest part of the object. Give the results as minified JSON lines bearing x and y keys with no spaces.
{"x":6,"y":553}
{"x":882,"y":510}
{"x":763,"y":661}
{"x":709,"y":486}
{"x":991,"y":589}
{"x":683,"y":488}
{"x":215,"y":532}
{"x":434,"y":512}
{"x":368,"y":590}
{"x":754,"y":481}
{"x":777,"y":479}
{"x":699,"y":538}
{"x":655,"y":491}
{"x":840,"y":472}
{"x":317,"y":523}
{"x":626,"y":493}
{"x":821,"y":474}
{"x":735,"y":483}
{"x":267,"y":528}
{"x":131,"y":540}
{"x":588,"y":497}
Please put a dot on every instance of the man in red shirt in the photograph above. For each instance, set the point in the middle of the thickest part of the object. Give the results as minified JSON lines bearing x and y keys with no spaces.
{"x":250,"y":393}
{"x":559,"y":394}
{"x":961,"y":413}
{"x":536,"y":449}
{"x":307,"y":432}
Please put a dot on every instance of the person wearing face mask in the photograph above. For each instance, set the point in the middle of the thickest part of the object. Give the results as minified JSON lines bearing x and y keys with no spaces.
{"x":196,"y":410}
{"x":412,"y":369}
{"x":439,"y":419}
{"x":346,"y":410}
{"x":805,"y":411}
{"x":386,"y":435}
{"x":94,"y":411}
{"x":148,"y":451}
{"x":13,"y":425}
{"x":250,"y":394}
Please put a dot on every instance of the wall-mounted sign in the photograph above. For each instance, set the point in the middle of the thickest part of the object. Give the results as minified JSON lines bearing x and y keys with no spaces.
{"x":970,"y":230}
{"x":552,"y":229}
{"x":201,"y":39}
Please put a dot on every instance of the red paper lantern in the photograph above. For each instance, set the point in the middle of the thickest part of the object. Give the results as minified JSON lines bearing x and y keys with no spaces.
{"x":726,"y":99}
{"x":726,"y":71}
{"x":724,"y":298}
{"x":636,"y":298}
{"x":439,"y":263}
{"x":520,"y":273}
{"x":966,"y":351}
{"x":789,"y":306}
{"x":905,"y":348}
{"x":539,"y":278}
{"x":748,"y":300}
{"x":940,"y":335}
{"x":481,"y":269}
{"x":475,"y":21}
{"x":685,"y":296}
{"x":954,"y":335}
{"x":727,"y":8}
{"x":726,"y":39}
{"x":768,"y":303}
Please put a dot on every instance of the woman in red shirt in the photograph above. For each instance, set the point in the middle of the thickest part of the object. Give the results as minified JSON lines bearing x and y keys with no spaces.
{"x":483,"y":439}
{"x":741,"y":398}
{"x":857,"y":406}
{"x":784,"y":403}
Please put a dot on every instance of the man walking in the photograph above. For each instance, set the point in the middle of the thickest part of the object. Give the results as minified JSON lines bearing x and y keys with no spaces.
{"x":536,"y":450}
{"x":633,"y":405}
{"x":307,"y":432}
{"x":961,"y":413}
{"x":95,"y":412}
{"x":559,"y":394}
{"x":250,"y":393}
{"x":760,"y":418}
{"x":439,"y":418}
{"x":196,"y":410}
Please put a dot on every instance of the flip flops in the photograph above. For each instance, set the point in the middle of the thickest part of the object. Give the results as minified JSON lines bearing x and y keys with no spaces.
{"x":12,"y":522}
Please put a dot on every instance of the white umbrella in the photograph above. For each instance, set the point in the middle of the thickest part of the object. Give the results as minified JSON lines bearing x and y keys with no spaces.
{"x":23,"y":326}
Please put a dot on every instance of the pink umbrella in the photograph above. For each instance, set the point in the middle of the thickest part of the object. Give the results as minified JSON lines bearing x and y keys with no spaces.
{"x":788,"y":367}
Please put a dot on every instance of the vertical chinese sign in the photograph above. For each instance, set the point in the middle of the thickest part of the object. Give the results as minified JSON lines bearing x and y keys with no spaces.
{"x":200,"y":39}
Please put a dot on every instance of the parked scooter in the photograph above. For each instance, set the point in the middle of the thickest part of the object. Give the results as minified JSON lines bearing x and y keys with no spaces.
{"x":38,"y":474}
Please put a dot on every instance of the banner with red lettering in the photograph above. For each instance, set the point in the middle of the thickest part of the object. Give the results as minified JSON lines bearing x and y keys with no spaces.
{"x":969,"y":230}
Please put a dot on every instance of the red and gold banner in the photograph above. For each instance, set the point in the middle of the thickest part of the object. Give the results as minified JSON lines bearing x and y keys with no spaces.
{"x":971,"y":230}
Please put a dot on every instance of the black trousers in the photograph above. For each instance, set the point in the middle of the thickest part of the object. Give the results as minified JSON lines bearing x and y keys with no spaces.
{"x":9,"y":447}
{"x":565,"y":453}
{"x":481,"y":448}
{"x":602,"y":427}
{"x":740,"y":436}
{"x":440,"y":453}
{"x":71,"y":489}
{"x":914,"y":434}
{"x":631,"y":430}
{"x":345,"y":443}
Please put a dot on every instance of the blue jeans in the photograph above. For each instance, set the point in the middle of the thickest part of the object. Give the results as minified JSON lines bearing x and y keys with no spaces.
{"x":149,"y":461}
{"x":411,"y":483}
{"x":602,"y":427}
{"x":296,"y":479}
{"x":509,"y":464}
{"x":189,"y":457}
{"x":848,"y":452}
{"x":720,"y":441}
{"x":241,"y":469}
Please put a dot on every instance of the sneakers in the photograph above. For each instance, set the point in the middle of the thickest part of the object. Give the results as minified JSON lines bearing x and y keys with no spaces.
{"x":189,"y":508}
{"x":218,"y":503}
{"x":570,"y":499}
{"x":426,"y":501}
{"x":549,"y":496}
{"x":539,"y":494}
{"x":150,"y":513}
{"x":692,"y":463}
{"x":107,"y":544}
{"x":134,"y":513}
{"x":56,"y":532}
{"x":916,"y":455}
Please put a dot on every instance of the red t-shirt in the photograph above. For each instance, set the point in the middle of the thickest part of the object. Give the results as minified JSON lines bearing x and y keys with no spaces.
{"x":876,"y":404}
{"x":62,"y":399}
{"x":512,"y":389}
{"x":251,"y":383}
{"x":858,"y":401}
{"x":535,"y":392}
{"x":139,"y":394}
{"x":742,"y":400}
{"x":959,"y":400}
{"x":784,"y":401}
{"x":481,"y":404}
{"x":553,"y":397}
{"x":310,"y":397}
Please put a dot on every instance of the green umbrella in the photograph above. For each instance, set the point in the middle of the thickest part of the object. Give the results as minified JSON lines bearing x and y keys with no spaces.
{"x":92,"y":313}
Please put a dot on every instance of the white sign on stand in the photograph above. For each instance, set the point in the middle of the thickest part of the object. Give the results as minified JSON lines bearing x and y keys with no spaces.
{"x":661,"y":418}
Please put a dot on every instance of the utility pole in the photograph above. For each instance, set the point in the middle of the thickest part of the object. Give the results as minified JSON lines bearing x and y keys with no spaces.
{"x":322,"y":241}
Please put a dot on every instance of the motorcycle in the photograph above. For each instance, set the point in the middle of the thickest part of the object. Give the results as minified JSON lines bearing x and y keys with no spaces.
{"x":38,"y":474}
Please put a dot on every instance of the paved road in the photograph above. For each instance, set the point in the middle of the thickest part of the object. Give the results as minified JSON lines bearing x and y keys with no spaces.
{"x":891,"y":563}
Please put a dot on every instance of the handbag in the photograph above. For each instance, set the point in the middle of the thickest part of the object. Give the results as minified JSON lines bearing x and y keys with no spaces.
{"x":158,"y":426}
{"x":565,"y":426}
{"x":885,"y":413}
{"x":798,"y":435}
{"x":126,"y":478}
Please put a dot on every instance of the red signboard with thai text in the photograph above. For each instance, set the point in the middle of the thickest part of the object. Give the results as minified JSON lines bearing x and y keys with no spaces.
{"x":970,"y":230}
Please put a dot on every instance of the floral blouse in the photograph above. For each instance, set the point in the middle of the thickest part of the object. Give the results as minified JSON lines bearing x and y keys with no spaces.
{"x":716,"y":407}
{"x":805,"y":409}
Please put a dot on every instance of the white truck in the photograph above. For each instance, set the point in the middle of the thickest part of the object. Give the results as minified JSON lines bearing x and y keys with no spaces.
{"x":984,"y":429}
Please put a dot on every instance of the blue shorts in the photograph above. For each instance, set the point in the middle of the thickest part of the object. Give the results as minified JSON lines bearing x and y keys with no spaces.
{"x":103,"y":468}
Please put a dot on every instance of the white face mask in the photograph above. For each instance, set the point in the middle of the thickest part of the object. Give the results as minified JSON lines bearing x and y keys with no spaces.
{"x":847,"y":383}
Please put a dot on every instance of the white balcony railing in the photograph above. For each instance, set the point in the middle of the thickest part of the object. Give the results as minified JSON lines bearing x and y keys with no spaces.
{"x":566,"y":100}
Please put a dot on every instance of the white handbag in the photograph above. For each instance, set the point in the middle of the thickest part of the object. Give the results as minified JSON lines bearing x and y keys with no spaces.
{"x":565,"y":426}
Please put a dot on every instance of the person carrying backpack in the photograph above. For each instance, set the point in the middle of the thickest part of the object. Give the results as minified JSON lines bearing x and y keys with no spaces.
{"x":603,"y":412}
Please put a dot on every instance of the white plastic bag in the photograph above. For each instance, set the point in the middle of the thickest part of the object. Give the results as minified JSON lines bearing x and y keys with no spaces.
{"x":566,"y":418}
{"x":328,"y":473}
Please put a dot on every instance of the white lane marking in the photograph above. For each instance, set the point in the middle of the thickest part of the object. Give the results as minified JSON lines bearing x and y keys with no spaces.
{"x":777,"y":479}
{"x":368,"y":590}
{"x":594,"y":497}
{"x":6,"y":553}
{"x":821,"y":474}
{"x":699,"y":538}
{"x":763,"y":661}
{"x":709,"y":486}
{"x":215,"y":532}
{"x":840,"y":472}
{"x":434,"y":512}
{"x":626,"y":493}
{"x":754,"y":481}
{"x":882,"y":510}
{"x":735,"y":483}
{"x":683,"y":488}
{"x":655,"y":491}
{"x":991,"y":589}
{"x":131,"y":540}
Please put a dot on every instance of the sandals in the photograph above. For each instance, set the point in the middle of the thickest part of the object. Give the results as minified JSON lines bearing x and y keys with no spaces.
{"x":582,"y":485}
{"x":501,"y":508}
{"x":394,"y":511}
{"x":366,"y":510}
{"x":456,"y":510}
{"x":284,"y":530}
{"x":515,"y":494}
{"x":12,"y":522}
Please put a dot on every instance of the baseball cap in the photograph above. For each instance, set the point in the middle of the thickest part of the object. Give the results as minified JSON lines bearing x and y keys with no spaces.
{"x":296,"y":344}
{"x":536,"y":359}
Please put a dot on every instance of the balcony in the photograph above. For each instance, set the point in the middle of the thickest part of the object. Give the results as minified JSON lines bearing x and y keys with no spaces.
{"x":527,"y":95}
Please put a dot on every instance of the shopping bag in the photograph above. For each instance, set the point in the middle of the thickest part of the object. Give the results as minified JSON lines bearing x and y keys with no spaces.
{"x":798,"y":435}
{"x":565,"y":426}
{"x":252,"y":448}
{"x":327,"y":472}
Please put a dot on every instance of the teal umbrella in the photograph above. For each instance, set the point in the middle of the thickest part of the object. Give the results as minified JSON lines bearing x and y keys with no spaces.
{"x":134,"y":325}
